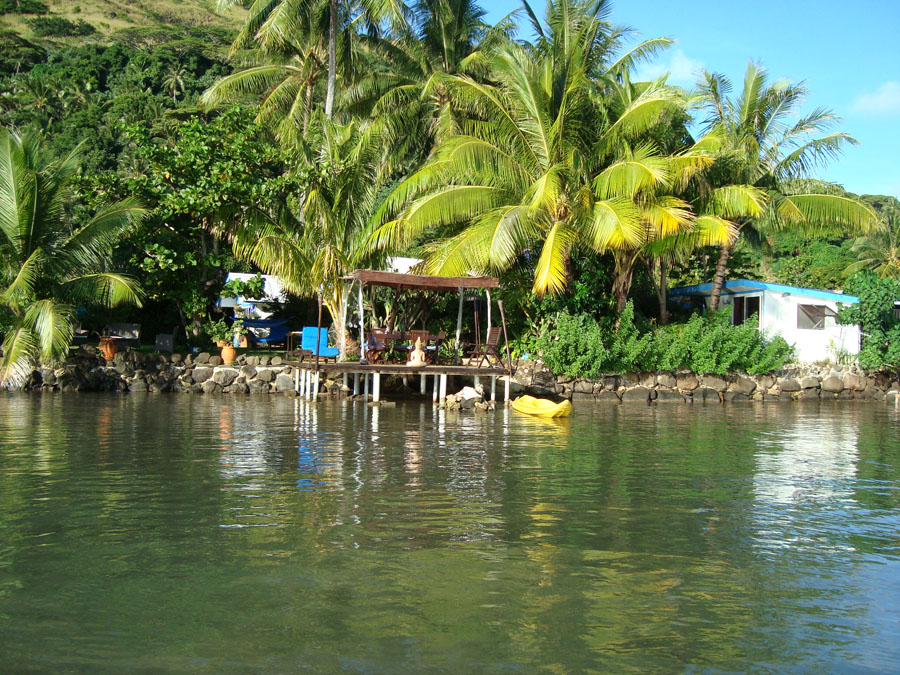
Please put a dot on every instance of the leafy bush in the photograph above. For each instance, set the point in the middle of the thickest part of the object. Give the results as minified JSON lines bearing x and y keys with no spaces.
{"x":875,"y":315}
{"x":56,"y":26}
{"x":23,"y":7}
{"x":579,"y":346}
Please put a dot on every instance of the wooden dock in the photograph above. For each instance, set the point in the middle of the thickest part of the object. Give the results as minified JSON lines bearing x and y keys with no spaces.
{"x":307,"y":376}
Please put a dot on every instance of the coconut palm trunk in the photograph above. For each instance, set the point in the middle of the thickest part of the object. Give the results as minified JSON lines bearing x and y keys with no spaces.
{"x":719,"y":277}
{"x":622,"y":281}
{"x":332,"y":58}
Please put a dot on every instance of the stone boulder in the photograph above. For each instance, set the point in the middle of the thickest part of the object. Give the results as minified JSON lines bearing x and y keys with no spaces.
{"x":202,"y":358}
{"x":832,"y":384}
{"x":742,"y":385}
{"x":637,"y":394}
{"x":211,"y":387}
{"x":284,"y":383}
{"x":200,"y":375}
{"x":265,"y":375}
{"x":687,"y":381}
{"x":788,"y":384}
{"x":714,"y":382}
{"x":225,"y":376}
{"x":666,"y":380}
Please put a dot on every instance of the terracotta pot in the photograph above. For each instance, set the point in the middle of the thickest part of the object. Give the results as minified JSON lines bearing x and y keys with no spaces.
{"x":109,"y":347}
{"x":229,"y":354}
{"x":221,"y":343}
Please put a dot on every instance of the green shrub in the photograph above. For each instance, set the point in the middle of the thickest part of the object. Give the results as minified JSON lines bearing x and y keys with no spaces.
{"x":880,"y":350}
{"x":56,"y":26}
{"x":579,"y":346}
{"x":23,"y":7}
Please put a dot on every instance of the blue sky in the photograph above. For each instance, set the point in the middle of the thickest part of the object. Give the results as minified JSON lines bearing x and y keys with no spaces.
{"x":847,"y":53}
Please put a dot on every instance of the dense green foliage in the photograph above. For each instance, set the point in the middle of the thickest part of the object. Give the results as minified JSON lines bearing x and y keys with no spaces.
{"x":877,"y":319}
{"x":56,"y":26}
{"x":334,"y":135}
{"x":47,"y":270}
{"x":579,"y":346}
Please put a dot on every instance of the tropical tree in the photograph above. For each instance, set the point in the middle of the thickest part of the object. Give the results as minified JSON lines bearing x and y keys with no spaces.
{"x":313,"y":247}
{"x":880,"y":250}
{"x":408,"y":97}
{"x":767,"y":152}
{"x":273,"y":23}
{"x":553,"y":157}
{"x":49,"y":265}
{"x":174,"y":81}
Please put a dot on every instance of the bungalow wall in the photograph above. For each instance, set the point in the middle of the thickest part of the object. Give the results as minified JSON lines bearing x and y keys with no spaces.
{"x":805,"y":321}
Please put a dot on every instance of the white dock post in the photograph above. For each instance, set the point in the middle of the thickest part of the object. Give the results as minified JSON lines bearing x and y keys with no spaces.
{"x":493,"y":387}
{"x":301,"y":387}
{"x":376,"y":386}
{"x":434,"y":395}
{"x":507,"y":388}
{"x":308,"y":385}
{"x":422,"y":383}
{"x":345,"y":387}
{"x":443,"y":394}
{"x":356,"y":384}
{"x":315,"y":391}
{"x":365,"y":386}
{"x":477,"y":381}
{"x":297,"y":380}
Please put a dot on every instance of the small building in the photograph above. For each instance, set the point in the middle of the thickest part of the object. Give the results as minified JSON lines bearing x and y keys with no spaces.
{"x":805,"y":317}
{"x":256,"y":308}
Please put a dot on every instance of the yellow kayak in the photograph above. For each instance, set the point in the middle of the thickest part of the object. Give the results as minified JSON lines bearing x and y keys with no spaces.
{"x":541,"y":407}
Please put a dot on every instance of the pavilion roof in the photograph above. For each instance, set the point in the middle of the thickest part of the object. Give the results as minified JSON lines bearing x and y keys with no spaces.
{"x":422,"y":282}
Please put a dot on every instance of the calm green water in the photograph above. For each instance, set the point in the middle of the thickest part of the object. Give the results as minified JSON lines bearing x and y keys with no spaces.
{"x":197,"y":534}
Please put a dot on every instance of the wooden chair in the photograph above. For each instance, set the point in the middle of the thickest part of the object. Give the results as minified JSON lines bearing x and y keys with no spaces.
{"x":433,"y":350}
{"x":376,"y":345}
{"x":487,"y":352}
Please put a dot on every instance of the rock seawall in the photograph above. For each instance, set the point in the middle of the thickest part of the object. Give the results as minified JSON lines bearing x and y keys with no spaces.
{"x":87,"y":370}
{"x":792,"y":383}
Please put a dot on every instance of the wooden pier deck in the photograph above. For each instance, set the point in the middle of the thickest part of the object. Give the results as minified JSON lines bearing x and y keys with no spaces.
{"x":308,"y":374}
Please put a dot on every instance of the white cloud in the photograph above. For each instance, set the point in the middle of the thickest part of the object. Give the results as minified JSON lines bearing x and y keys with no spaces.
{"x":682,"y":69}
{"x":883,"y":101}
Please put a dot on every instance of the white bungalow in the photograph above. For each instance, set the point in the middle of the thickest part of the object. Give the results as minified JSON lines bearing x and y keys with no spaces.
{"x":805,"y":317}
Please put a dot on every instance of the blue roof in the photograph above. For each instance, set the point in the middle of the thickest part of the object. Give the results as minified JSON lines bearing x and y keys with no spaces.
{"x":736,"y":286}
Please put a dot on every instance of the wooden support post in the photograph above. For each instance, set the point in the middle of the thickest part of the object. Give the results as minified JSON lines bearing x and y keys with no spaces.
{"x":318,"y":331}
{"x":459,"y":324}
{"x":493,"y":387}
{"x":301,"y":382}
{"x":297,"y":380}
{"x":443,"y":394}
{"x":309,"y":378}
{"x":488,"y":292}
{"x":434,"y":396}
{"x":423,"y":378}
{"x":344,"y":387}
{"x":365,"y":387}
{"x":362,"y":330}
{"x":508,"y":378}
{"x":356,"y":384}
{"x":506,"y":340}
{"x":476,"y":381}
{"x":315,"y":392}
{"x":376,"y":386}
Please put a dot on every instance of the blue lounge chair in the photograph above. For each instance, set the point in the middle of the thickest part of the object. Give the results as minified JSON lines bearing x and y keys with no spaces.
{"x":308,"y":344}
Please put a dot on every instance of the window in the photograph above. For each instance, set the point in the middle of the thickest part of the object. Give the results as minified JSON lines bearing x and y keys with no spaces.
{"x":812,"y":317}
{"x":744,"y":308}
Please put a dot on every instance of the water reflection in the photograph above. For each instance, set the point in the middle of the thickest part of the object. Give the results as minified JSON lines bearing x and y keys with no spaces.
{"x":279,"y":535}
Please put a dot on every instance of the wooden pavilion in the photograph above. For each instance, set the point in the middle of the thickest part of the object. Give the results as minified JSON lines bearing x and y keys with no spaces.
{"x":309,"y":371}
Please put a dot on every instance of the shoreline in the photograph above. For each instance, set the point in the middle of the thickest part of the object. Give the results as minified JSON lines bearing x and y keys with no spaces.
{"x":86,"y":371}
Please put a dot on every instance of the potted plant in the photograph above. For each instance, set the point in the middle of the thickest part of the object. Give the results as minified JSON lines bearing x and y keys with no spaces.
{"x":222,"y":333}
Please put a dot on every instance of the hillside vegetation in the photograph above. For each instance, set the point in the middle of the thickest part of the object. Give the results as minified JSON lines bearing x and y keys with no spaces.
{"x":105,"y":19}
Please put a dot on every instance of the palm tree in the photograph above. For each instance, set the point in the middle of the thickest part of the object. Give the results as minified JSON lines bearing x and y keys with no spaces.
{"x":174,"y":81}
{"x":328,"y":238}
{"x":409,"y":97}
{"x":879,"y":250}
{"x":275,"y":22}
{"x":766,"y":155}
{"x":549,"y":160}
{"x":48,"y":266}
